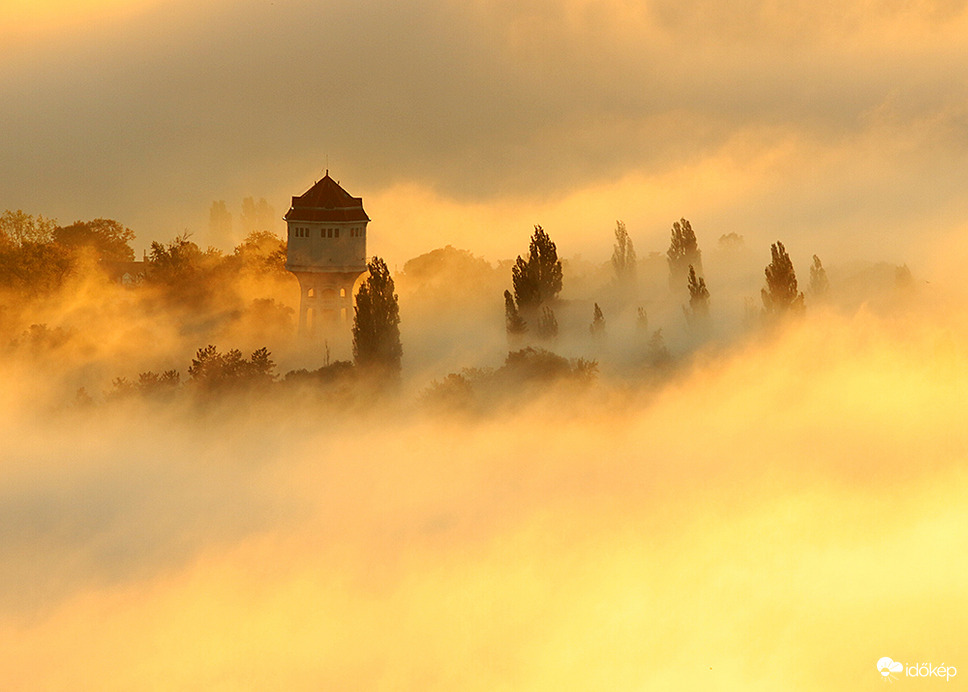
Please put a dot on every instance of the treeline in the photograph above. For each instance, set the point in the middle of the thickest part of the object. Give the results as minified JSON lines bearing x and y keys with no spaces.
{"x":37,"y":256}
{"x":530,"y":306}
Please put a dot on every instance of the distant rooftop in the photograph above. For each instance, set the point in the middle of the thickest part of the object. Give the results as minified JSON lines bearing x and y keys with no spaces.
{"x":326,"y":201}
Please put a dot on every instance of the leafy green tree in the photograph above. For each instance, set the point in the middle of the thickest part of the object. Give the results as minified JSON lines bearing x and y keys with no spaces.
{"x":623,"y":258}
{"x":537,"y":280}
{"x":818,"y":279}
{"x":376,"y":325}
{"x":698,"y":311}
{"x":683,"y":251}
{"x":780,"y":296}
{"x":108,"y":238}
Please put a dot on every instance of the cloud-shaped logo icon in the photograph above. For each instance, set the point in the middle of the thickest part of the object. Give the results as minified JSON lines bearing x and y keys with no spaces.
{"x":886,"y":666}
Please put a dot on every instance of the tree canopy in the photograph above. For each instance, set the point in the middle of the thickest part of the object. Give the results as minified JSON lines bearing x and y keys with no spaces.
{"x":623,"y":258}
{"x":683,"y":251}
{"x":108,"y":238}
{"x":537,"y":280}
{"x":780,"y":295}
{"x":376,"y":325}
{"x":698,"y":311}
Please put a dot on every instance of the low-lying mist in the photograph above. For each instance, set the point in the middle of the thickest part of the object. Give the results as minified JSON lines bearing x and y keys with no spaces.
{"x":767,"y":507}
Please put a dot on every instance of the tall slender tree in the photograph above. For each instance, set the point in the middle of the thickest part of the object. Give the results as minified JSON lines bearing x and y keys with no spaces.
{"x":597,"y":327}
{"x":818,"y":279}
{"x":698,"y":312}
{"x":683,"y":251}
{"x":376,"y":325}
{"x":537,"y":280}
{"x":547,"y":324}
{"x":623,"y":258}
{"x":780,"y":295}
{"x":515,"y":324}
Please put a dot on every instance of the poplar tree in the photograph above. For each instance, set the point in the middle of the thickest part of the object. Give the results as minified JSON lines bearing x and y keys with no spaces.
{"x":376,"y":324}
{"x":623,"y":258}
{"x":683,"y":251}
{"x":537,"y":280}
{"x":780,"y":296}
{"x":597,"y":327}
{"x":513,"y":321}
{"x":818,"y":279}
{"x":698,"y":311}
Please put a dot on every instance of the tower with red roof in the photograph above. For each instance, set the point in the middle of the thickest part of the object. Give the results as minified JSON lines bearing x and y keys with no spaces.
{"x":326,"y":252}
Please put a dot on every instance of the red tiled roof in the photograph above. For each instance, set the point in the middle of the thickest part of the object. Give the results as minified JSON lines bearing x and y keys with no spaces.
{"x":326,"y":201}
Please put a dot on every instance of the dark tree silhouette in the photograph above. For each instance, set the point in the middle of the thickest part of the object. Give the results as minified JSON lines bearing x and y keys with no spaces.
{"x":212,"y":370}
{"x":108,"y":238}
{"x":623,"y":258}
{"x":683,"y":251}
{"x":261,"y":252}
{"x":376,"y":326}
{"x":698,"y":311}
{"x":597,"y":327}
{"x":903,"y":279}
{"x":515,"y":324}
{"x":19,"y":228}
{"x":731,"y":241}
{"x":658,"y":354}
{"x":537,"y":280}
{"x":818,"y":279}
{"x":642,"y":321}
{"x":30,"y":263}
{"x":176,"y":262}
{"x":780,"y":295}
{"x":547,"y":324}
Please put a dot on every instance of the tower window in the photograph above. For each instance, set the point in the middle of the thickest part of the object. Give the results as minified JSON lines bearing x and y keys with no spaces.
{"x":336,"y":233}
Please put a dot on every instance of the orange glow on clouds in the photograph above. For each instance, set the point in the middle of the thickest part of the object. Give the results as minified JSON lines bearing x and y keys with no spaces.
{"x":30,"y":16}
{"x":813,"y":527}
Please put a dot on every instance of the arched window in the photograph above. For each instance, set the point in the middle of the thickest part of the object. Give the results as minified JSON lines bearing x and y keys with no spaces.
{"x":311,"y":293}
{"x":342,"y":293}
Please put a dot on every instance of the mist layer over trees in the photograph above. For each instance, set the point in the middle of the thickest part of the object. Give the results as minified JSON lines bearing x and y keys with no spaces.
{"x":686,"y":473}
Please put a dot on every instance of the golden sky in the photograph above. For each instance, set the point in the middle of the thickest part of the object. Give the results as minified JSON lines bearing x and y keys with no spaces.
{"x":839,"y":127}
{"x":784,"y":511}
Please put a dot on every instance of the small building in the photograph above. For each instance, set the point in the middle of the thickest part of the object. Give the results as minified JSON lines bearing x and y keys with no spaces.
{"x":326,"y":252}
{"x":126,"y":273}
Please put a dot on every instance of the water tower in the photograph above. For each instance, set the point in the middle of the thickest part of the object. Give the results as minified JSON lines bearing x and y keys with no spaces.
{"x":327,"y":253}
